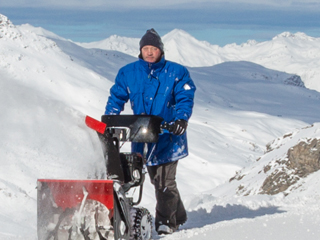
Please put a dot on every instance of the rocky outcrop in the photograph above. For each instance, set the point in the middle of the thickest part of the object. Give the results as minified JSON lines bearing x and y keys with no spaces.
{"x":7,"y":29}
{"x":5,"y":23}
{"x":294,"y":80}
{"x":302,"y":160}
{"x":305,"y":157}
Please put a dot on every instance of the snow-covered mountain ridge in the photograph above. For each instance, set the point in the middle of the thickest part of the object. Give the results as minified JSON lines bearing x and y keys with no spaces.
{"x":241,"y":110}
{"x":117,"y":43}
{"x":287,"y":52}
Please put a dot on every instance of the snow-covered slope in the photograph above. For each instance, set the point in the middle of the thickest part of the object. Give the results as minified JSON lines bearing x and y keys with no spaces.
{"x":238,"y":210}
{"x":275,"y":161}
{"x":40,"y":91}
{"x":48,"y":84}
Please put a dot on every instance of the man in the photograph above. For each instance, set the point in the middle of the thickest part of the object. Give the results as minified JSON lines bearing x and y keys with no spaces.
{"x":155,"y":86}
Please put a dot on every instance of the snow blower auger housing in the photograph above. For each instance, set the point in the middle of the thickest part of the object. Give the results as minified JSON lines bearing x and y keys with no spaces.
{"x":101,"y":209}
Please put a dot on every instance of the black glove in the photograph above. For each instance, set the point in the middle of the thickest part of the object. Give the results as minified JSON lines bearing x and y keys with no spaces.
{"x":180,"y":127}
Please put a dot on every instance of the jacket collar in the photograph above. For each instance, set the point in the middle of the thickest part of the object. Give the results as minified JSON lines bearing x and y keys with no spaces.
{"x":154,"y":67}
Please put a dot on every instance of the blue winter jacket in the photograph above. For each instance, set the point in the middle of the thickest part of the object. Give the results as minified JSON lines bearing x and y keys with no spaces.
{"x":163,"y":89}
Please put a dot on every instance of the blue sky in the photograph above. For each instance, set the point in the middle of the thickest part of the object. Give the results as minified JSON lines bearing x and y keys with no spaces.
{"x":218,"y":22}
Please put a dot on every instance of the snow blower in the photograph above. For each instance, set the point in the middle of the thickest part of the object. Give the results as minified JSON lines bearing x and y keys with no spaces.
{"x":101,"y":209}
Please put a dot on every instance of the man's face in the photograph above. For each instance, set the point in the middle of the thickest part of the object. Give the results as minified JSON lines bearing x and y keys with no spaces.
{"x":150,"y":53}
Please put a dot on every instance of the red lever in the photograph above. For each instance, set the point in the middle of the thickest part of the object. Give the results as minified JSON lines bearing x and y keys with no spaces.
{"x":100,"y":127}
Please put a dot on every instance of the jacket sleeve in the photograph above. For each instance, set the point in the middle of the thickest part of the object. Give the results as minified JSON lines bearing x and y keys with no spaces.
{"x":119,"y":95}
{"x":184,"y":96}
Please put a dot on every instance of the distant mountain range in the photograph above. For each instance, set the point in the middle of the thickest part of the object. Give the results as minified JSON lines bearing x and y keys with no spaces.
{"x":292,"y":53}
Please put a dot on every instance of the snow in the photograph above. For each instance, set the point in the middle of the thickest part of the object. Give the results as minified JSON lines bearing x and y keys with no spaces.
{"x":248,"y":96}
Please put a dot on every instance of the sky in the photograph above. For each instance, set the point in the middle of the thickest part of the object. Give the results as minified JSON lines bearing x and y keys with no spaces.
{"x":217,"y":22}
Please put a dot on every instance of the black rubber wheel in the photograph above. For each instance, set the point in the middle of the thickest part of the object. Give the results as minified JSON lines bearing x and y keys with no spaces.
{"x":141,"y":224}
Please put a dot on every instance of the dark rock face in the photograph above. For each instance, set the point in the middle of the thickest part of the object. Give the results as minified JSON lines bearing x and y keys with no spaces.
{"x":303,"y":159}
{"x":294,"y":80}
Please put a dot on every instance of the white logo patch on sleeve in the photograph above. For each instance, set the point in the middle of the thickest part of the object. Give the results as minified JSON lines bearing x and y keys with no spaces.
{"x":186,"y":87}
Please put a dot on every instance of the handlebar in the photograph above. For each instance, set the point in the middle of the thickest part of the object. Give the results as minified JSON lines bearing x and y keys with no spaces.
{"x":167,"y":127}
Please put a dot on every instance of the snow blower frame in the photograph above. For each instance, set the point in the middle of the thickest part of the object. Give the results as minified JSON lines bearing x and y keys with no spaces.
{"x":100,"y":209}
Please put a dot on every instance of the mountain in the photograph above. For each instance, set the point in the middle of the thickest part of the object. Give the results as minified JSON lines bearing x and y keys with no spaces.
{"x":117,"y":43}
{"x":242,"y":111}
{"x":296,"y":53}
{"x":181,"y":47}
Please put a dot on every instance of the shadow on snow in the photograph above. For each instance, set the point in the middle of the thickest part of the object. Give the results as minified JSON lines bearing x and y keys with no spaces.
{"x":201,"y":217}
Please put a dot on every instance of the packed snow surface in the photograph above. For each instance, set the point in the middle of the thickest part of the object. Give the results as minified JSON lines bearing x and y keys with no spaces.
{"x":247,"y":96}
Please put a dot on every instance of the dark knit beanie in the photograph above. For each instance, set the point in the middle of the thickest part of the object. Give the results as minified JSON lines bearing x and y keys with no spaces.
{"x":151,"y":38}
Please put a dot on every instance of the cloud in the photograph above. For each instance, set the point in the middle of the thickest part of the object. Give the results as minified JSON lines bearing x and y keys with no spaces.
{"x":125,"y":5}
